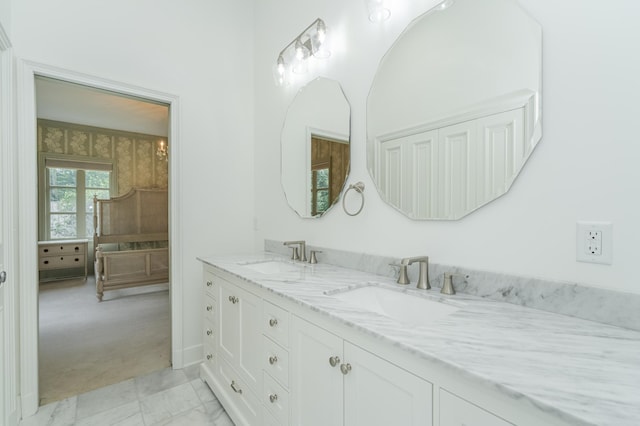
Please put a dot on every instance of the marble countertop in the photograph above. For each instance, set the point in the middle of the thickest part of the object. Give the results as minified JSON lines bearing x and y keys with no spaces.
{"x":582,"y":372}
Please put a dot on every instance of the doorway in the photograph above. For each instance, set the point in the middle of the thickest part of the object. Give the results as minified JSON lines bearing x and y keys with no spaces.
{"x":27,"y":156}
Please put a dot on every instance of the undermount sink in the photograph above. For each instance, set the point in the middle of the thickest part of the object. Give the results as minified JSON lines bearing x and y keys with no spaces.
{"x":274,"y":267}
{"x":402,"y":307}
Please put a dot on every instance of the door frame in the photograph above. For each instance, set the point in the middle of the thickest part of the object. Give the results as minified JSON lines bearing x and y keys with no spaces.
{"x":28,"y":205}
{"x":9,"y":219}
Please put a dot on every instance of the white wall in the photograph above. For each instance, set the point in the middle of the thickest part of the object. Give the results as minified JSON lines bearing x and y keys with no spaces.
{"x":5,"y":16}
{"x":585,"y":167}
{"x":198,"y":50}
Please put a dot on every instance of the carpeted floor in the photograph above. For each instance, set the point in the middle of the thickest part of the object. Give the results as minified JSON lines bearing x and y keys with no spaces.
{"x":85,"y":345}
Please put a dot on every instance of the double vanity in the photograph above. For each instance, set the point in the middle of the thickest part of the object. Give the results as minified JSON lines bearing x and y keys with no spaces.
{"x":293,"y":343}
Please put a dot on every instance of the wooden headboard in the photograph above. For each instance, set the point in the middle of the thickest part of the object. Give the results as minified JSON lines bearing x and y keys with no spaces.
{"x":139,"y":215}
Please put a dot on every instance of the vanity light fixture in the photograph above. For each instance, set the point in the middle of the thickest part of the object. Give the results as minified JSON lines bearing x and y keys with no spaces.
{"x":377,"y":10}
{"x":310,"y":43}
{"x":162,"y":152}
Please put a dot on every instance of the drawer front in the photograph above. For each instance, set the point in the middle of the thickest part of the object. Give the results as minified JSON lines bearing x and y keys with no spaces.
{"x":210,"y":283}
{"x":276,"y":361}
{"x":209,"y":334}
{"x":210,"y":308}
{"x":209,"y":354}
{"x":455,"y":411}
{"x":59,"y":262}
{"x":275,"y":323}
{"x":247,"y":404}
{"x":276,"y":399}
{"x":62,"y":248}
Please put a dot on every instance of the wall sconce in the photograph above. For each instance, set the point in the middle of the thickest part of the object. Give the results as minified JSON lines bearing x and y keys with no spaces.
{"x":377,"y":10}
{"x":162,"y":152}
{"x":312,"y":42}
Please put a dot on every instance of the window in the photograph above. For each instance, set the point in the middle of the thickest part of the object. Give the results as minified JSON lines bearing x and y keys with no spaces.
{"x":319,"y":191}
{"x":68,"y":199}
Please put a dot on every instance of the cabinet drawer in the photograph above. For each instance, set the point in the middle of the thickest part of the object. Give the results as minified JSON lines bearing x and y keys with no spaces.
{"x":208,"y":334}
{"x":275,"y":361}
{"x":455,"y":411}
{"x":247,"y":404}
{"x":62,"y":248}
{"x":210,"y":282}
{"x":209,"y":354}
{"x":59,"y":262}
{"x":275,"y":322}
{"x":210,"y":308}
{"x":276,"y":399}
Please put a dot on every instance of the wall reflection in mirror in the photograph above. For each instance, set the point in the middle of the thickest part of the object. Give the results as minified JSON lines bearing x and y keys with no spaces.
{"x":454,"y":109}
{"x":315,"y":148}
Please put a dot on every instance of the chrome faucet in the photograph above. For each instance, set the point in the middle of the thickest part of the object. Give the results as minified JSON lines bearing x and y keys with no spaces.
{"x":423,"y":278}
{"x":302,"y":256}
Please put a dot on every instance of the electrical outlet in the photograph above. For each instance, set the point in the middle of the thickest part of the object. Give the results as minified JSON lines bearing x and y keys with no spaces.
{"x":594,"y":242}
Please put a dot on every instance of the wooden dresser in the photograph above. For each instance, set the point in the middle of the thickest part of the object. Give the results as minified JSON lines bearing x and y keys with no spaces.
{"x":63,"y":254}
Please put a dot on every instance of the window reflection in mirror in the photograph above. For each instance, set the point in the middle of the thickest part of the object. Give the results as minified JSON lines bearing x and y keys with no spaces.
{"x":315,"y":152}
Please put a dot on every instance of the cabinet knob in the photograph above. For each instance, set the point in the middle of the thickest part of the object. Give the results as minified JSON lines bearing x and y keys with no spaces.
{"x":273,"y":359}
{"x":235,"y":387}
{"x":209,"y":357}
{"x":345,"y":368}
{"x":273,"y":397}
{"x":46,"y":250}
{"x":334,"y":360}
{"x":209,"y":283}
{"x":209,"y":332}
{"x":209,"y":308}
{"x":273,"y":322}
{"x":233,"y":299}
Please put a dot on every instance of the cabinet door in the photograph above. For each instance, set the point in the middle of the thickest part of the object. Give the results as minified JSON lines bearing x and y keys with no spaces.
{"x":456,"y":411}
{"x":250,"y":340}
{"x":316,"y":386}
{"x":229,"y":324}
{"x":377,"y":392}
{"x":240,"y":338}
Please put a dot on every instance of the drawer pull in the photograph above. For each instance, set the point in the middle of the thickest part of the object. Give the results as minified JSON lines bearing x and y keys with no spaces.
{"x":209,"y":308}
{"x":62,"y":258}
{"x":209,"y":332}
{"x":209,"y":357}
{"x":46,"y":262}
{"x":273,"y":397}
{"x":345,"y":368}
{"x":209,"y":283}
{"x":235,"y":387}
{"x":46,"y":250}
{"x":233,"y":299}
{"x":334,"y":360}
{"x":77,"y":260}
{"x":273,"y":322}
{"x":61,"y":248}
{"x":273,"y":359}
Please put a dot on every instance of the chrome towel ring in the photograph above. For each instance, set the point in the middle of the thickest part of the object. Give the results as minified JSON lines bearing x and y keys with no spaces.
{"x":359,"y":188}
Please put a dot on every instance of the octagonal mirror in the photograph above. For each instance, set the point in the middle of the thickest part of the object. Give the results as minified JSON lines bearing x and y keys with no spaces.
{"x":454,"y":110}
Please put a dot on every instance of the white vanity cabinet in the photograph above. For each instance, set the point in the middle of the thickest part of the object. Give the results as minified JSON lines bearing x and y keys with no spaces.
{"x":335,"y":382}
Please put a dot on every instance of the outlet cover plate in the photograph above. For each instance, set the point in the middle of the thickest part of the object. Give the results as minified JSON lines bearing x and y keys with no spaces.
{"x":594,"y":242}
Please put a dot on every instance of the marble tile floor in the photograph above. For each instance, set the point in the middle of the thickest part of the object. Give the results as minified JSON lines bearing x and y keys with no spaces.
{"x":165,"y":397}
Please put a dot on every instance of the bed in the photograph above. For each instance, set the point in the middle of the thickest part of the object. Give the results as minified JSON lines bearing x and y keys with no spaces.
{"x":131,"y":240}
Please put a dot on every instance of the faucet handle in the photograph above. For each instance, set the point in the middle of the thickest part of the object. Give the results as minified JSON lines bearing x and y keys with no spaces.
{"x":294,"y":253}
{"x":447,"y":284}
{"x":403,"y":278}
{"x":312,"y":256}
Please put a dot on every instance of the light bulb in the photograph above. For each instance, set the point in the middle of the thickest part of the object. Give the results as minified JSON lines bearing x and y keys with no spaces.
{"x":280,"y":65}
{"x":322,"y":31}
{"x":377,"y":11}
{"x":300,"y":50}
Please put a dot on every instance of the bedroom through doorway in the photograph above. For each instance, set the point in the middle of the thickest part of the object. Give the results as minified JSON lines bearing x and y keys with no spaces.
{"x":103,"y":318}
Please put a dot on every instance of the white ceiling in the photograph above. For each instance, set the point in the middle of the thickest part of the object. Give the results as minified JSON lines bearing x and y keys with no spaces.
{"x":74,"y":103}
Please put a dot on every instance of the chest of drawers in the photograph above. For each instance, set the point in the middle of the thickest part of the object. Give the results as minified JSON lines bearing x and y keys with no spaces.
{"x":68,"y":254}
